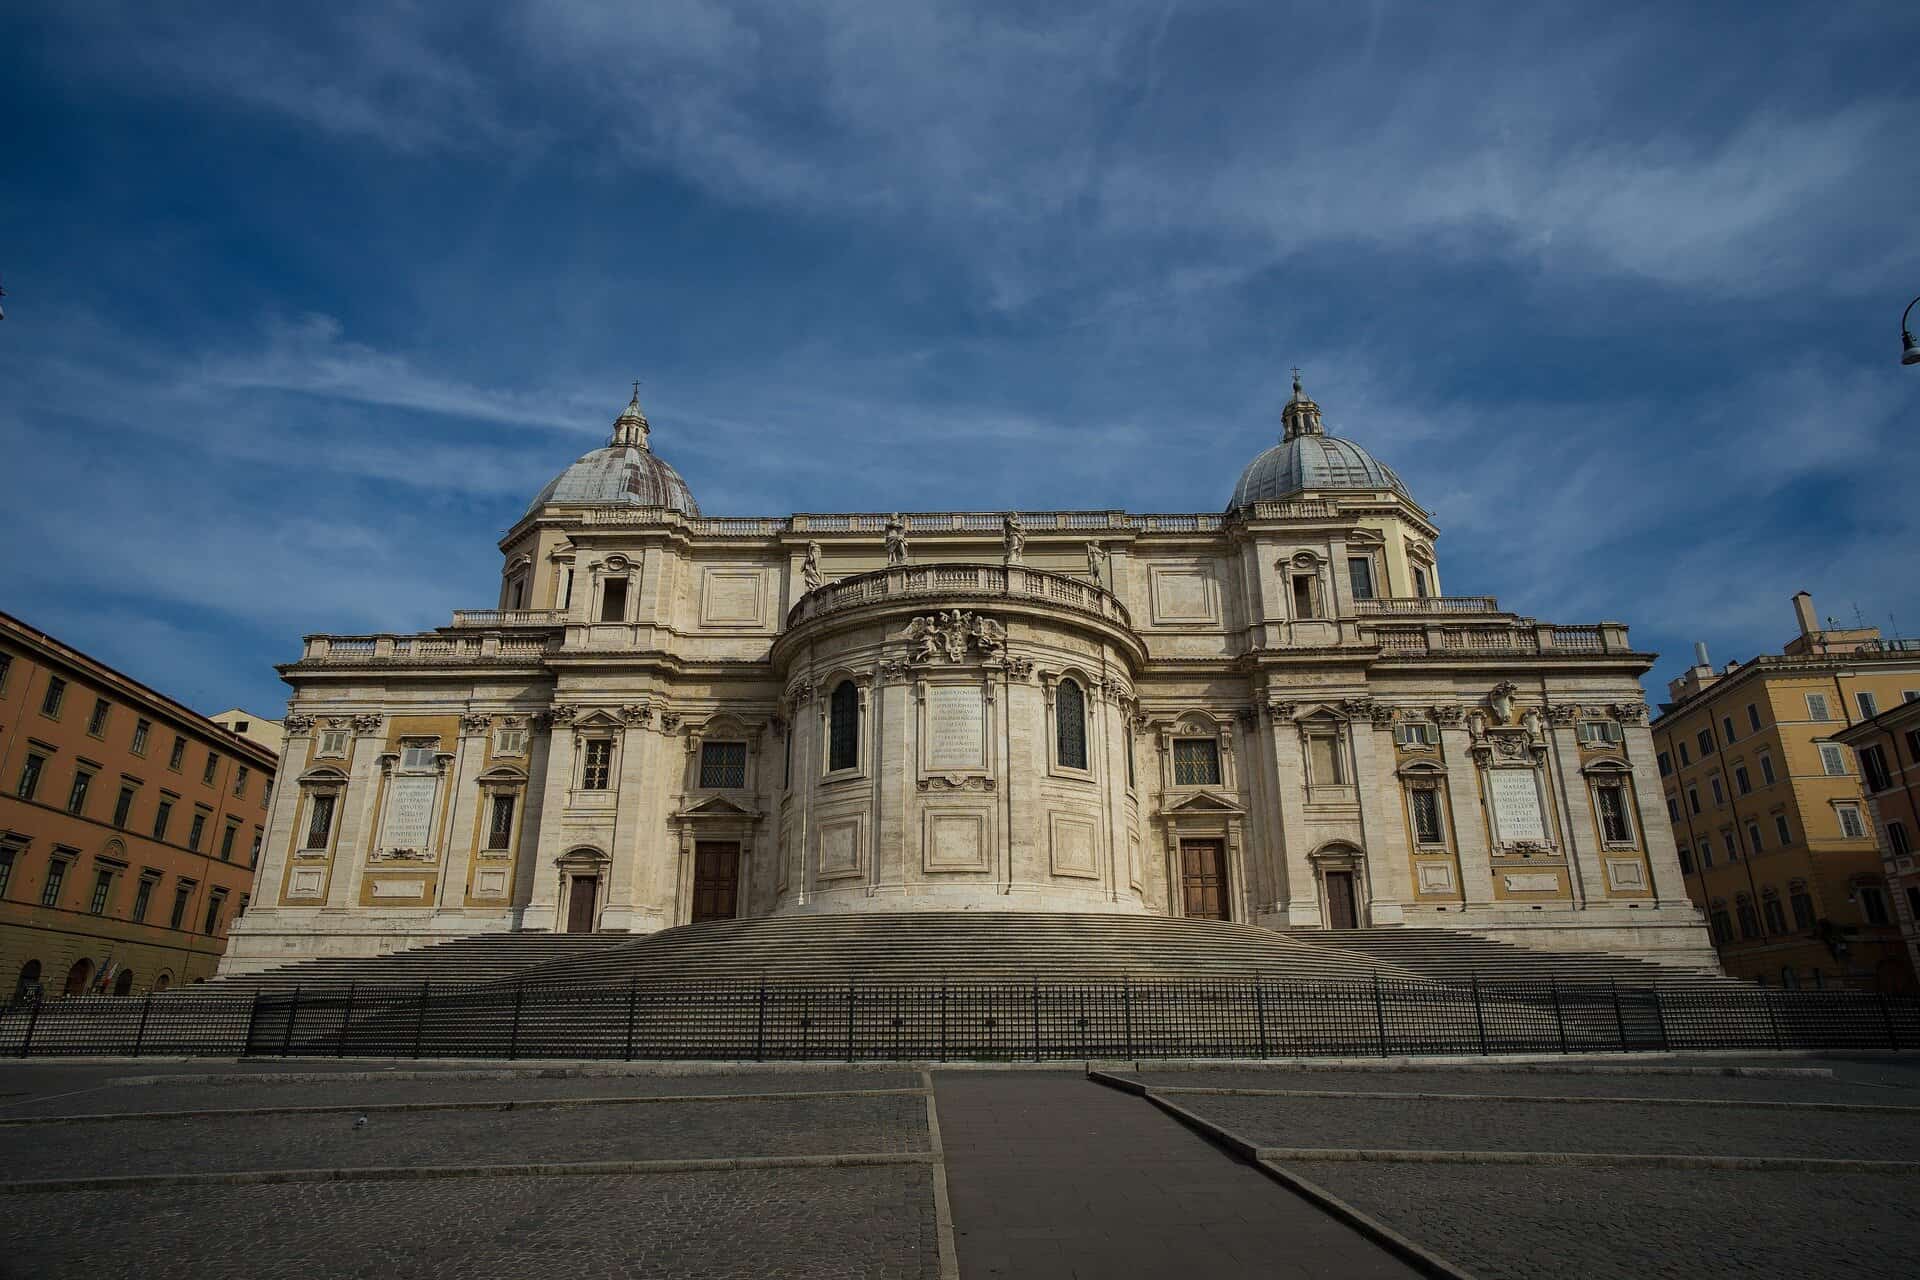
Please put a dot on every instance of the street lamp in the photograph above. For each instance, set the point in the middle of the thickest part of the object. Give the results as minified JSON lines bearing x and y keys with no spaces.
{"x":1910,"y":347}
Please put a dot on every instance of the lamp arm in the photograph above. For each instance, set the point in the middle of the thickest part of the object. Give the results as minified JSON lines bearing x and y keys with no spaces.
{"x":1906,"y":313}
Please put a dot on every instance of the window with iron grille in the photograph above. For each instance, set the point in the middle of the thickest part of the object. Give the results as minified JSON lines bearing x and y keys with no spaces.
{"x":319,"y":821}
{"x":1426,"y":815}
{"x":1070,"y":725}
{"x":723,"y":764}
{"x":500,"y":825}
{"x":597,"y":769}
{"x":1612,"y":800}
{"x":1196,"y":762}
{"x":843,"y":728}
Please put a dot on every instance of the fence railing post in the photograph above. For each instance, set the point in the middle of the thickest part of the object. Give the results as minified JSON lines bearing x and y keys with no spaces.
{"x":1036,"y":1019}
{"x":1886,"y":1016}
{"x":140,"y":1032}
{"x":1379,"y":1015}
{"x":1479,"y":1018}
{"x":1126,"y":1011}
{"x":293,"y":1012}
{"x":1660,"y":1020}
{"x":346,"y":1019}
{"x":513,"y":1035}
{"x":943,"y":1019}
{"x":760,"y":1028}
{"x":633,"y":999}
{"x":420,"y":1019}
{"x":33,"y":1020}
{"x":1619,"y":1019}
{"x":849,"y":1019}
{"x":1559,"y":1018}
{"x":1773,"y":1018}
{"x":1260,"y":1014}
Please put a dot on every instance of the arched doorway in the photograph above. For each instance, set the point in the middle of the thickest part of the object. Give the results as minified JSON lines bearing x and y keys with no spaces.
{"x":123,"y":985}
{"x":78,"y":976}
{"x":162,"y":982}
{"x":28,"y":980}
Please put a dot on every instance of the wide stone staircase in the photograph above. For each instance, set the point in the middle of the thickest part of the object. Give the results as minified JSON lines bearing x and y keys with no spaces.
{"x":1459,"y":956}
{"x":478,"y":958}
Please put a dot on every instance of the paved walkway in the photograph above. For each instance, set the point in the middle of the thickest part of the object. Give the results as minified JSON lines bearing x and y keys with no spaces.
{"x":1051,"y":1175}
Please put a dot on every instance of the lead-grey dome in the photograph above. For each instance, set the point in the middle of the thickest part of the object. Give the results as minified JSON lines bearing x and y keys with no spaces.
{"x":1308,"y":458}
{"x":625,"y":473}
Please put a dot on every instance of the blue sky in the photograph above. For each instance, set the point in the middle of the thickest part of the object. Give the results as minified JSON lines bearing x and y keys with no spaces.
{"x":305,"y":302}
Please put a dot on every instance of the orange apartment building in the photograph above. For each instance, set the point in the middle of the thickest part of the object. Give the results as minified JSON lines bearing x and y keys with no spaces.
{"x":129,"y":826}
{"x":1777,"y":842}
{"x":1888,"y":748}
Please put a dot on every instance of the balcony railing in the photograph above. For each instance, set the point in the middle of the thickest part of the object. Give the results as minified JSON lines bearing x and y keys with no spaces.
{"x":959,"y":580}
{"x":509,"y":617}
{"x":1417,"y":606}
{"x":937,"y":522}
{"x":1521,"y":636}
{"x":426,"y":648}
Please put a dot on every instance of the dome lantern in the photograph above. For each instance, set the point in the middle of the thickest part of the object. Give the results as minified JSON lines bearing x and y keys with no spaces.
{"x":623,"y":473}
{"x":1307,"y":459}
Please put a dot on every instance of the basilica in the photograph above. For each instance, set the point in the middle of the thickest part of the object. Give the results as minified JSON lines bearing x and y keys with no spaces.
{"x":1270,"y":714}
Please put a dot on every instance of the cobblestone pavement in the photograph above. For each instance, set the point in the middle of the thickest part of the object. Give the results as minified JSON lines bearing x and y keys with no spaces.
{"x":822,"y":1224}
{"x":1540,"y":1084}
{"x":647,"y":1131}
{"x":1505,"y":1223}
{"x":113,"y":1099}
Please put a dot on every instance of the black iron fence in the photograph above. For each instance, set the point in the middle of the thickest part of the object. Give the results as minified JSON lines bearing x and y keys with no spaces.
{"x":1033,"y":1020}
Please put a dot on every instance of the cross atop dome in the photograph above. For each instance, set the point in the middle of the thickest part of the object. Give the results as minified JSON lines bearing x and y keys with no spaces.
{"x":630,"y":429}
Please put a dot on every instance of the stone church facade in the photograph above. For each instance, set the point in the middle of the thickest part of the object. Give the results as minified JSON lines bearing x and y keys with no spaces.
{"x":1270,"y":715}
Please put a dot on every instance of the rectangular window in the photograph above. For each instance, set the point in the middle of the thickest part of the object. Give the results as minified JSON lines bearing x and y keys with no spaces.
{"x":253,"y":854}
{"x":206,"y":774}
{"x":1832,"y":759}
{"x":1722,"y":926}
{"x":319,"y":821}
{"x":77,"y":796}
{"x":30,"y":772}
{"x":723,"y":764}
{"x":786,"y":767}
{"x":214,"y":903}
{"x":1303,"y":604}
{"x":1802,"y":909}
{"x":226,"y":841}
{"x":240,"y":782}
{"x":418,"y":758}
{"x":1913,"y":744}
{"x":1706,"y":853}
{"x":122,"y":807}
{"x":142,"y":899}
{"x":1196,"y":762}
{"x":194,"y":832}
{"x":180,"y":896}
{"x":56,"y":693}
{"x":1868,"y":707}
{"x":1753,"y":838}
{"x":510,"y":742}
{"x":1685,"y":759}
{"x":6,"y":870}
{"x":1766,"y":768}
{"x":1420,"y":587}
{"x":1781,"y":829}
{"x":1897,"y":839}
{"x":1873,"y":767}
{"x":97,"y":722}
{"x":6,"y":665}
{"x":1673,"y":809}
{"x":500,"y":825}
{"x":613,"y":600}
{"x":1360,"y":570}
{"x":1719,"y":794}
{"x":102,"y":886}
{"x":1726,"y":723}
{"x":333,"y":742}
{"x":1873,"y":903}
{"x":1733,"y":846}
{"x":1323,"y":759}
{"x":1753,"y":716}
{"x":599,"y":765}
{"x":50,"y":892}
{"x":1426,"y":816}
{"x":1612,"y":800}
{"x":1666,"y":764}
{"x":1417,"y":733}
{"x":1776,"y":915}
{"x":177,"y":754}
{"x":1817,"y":706}
{"x":1705,"y":741}
{"x":1693,"y":799}
{"x":1686,"y":861}
{"x":1742,"y":781}
{"x":141,"y":728}
{"x":1598,"y":733}
{"x":1850,"y":824}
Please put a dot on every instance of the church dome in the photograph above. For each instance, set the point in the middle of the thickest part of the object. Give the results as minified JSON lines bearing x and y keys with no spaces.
{"x":1308,"y":458}
{"x":625,"y":473}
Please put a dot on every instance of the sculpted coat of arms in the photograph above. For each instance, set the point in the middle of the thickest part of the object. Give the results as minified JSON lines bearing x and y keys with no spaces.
{"x":949,"y":634}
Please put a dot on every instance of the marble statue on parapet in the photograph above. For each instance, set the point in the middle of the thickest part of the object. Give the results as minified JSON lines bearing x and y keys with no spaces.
{"x":1097,"y":557}
{"x":810,"y":567}
{"x":1014,"y":534}
{"x":896,"y":539}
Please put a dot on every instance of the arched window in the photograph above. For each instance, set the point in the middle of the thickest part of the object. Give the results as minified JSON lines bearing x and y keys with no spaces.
{"x":123,"y":984}
{"x":1070,"y":725}
{"x":78,"y":976}
{"x":162,"y":982}
{"x":28,"y":980}
{"x":843,"y":737}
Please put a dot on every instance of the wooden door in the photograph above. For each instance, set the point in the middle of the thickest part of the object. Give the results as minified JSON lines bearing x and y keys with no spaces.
{"x":1341,"y":912}
{"x":1203,"y":875}
{"x":580,"y":904}
{"x":716,"y":875}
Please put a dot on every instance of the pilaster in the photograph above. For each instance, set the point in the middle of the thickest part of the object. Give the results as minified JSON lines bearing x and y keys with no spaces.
{"x":1469,"y":816}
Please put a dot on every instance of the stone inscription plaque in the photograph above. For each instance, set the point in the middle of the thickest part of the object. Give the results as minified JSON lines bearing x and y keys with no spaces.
{"x":1516,"y":805}
{"x":410,"y":811}
{"x":956,"y":718}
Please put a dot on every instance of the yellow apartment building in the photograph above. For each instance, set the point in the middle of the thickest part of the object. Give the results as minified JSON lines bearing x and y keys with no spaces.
{"x":1888,"y":748}
{"x":129,"y":827}
{"x":1777,"y":844}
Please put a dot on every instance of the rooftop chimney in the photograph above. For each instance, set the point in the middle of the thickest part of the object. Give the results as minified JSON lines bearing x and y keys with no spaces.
{"x":1700,"y":654}
{"x":1803,"y":610}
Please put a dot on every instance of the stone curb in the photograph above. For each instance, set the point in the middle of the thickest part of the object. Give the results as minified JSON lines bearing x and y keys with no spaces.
{"x":1592,"y":1159}
{"x":1407,"y":1250}
{"x":942,"y":1204}
{"x":503,"y":1104}
{"x":556,"y":1071}
{"x":424,"y":1173}
{"x":1869,"y":1108}
{"x":1490,"y":1066}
